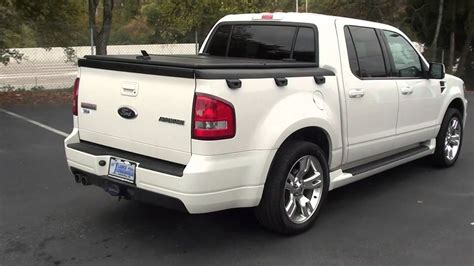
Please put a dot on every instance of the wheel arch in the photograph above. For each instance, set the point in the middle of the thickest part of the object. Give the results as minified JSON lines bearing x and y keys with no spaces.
{"x":458,"y":104}
{"x":313,"y":134}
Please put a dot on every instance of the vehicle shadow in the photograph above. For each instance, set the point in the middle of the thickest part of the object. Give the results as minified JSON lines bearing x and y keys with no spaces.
{"x":220,"y":229}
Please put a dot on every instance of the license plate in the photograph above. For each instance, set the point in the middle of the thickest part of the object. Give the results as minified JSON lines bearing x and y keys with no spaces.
{"x":122,"y":169}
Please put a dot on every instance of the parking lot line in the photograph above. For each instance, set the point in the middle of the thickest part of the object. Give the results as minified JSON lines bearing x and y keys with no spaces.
{"x":59,"y":132}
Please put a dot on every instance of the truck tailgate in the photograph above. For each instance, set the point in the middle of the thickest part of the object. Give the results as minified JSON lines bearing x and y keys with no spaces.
{"x":159,"y":124}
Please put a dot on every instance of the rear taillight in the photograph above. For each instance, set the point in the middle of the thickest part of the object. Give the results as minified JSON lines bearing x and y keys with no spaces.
{"x":75,"y":93}
{"x":213,"y":118}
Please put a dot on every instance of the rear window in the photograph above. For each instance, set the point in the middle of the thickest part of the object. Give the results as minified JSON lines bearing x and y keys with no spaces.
{"x":219,"y":42}
{"x":275,"y":42}
{"x":305,"y":45}
{"x":264,"y":42}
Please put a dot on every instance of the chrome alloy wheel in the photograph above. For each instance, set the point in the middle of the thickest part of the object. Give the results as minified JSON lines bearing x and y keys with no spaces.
{"x":452,"y":142}
{"x":303,"y":189}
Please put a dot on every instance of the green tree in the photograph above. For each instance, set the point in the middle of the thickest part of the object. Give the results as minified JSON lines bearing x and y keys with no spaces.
{"x":8,"y":24}
{"x":54,"y":22}
{"x":26,"y":23}
{"x":178,"y":20}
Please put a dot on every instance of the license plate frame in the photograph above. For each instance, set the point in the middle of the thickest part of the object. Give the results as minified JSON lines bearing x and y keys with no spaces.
{"x":126,"y":170}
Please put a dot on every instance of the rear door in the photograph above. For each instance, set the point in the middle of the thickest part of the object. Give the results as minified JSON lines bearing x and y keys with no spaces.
{"x":140,"y":113}
{"x":371,"y":97}
{"x":419,"y":97}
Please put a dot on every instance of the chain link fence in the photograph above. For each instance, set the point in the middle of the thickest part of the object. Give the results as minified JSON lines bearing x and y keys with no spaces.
{"x":56,"y":67}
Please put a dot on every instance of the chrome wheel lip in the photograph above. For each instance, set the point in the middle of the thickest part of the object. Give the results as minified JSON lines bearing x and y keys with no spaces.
{"x":452,"y":141}
{"x":303,"y":189}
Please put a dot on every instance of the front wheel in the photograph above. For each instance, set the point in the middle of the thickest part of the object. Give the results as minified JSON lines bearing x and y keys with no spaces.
{"x":449,"y":139}
{"x":295,"y":190}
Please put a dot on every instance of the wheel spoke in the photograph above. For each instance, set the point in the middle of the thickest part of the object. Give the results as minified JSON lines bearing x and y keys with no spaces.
{"x":312,"y":182}
{"x":290,"y":179}
{"x":455,"y":139}
{"x":454,"y":124}
{"x":304,"y":167}
{"x":291,"y":206}
{"x":289,"y":187}
{"x":450,"y":153}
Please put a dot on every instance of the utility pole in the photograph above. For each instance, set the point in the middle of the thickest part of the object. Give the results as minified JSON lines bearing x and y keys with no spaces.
{"x":196,"y":42}
{"x":306,"y":6}
{"x":92,"y":39}
{"x":296,"y":4}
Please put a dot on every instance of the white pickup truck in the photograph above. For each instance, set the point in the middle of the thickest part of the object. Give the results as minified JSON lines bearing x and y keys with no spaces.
{"x":277,"y":110}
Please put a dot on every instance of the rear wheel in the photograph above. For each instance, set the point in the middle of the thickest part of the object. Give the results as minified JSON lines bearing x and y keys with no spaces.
{"x":449,"y":139}
{"x":295,"y":190}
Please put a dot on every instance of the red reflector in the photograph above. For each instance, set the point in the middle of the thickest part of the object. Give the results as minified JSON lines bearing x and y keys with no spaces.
{"x":267,"y":16}
{"x":213,"y":118}
{"x":75,"y":93}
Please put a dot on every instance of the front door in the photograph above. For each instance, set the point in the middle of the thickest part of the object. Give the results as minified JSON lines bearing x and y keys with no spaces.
{"x":419,"y":97}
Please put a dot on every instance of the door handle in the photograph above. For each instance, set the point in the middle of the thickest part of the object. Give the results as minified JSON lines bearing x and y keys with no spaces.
{"x":356,"y":93}
{"x":129,"y":89}
{"x":407,"y":90}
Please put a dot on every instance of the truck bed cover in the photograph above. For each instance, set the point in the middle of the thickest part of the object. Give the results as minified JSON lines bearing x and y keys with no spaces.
{"x":201,"y":61}
{"x":202,"y":66}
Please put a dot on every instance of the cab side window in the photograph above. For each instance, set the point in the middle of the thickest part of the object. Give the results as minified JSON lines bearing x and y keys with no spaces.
{"x":368,"y":51}
{"x":406,"y":60}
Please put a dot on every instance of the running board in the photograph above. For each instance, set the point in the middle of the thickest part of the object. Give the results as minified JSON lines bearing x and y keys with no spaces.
{"x":340,"y":178}
{"x":385,"y":161}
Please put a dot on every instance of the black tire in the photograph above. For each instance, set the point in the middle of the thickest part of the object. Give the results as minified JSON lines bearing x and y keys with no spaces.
{"x":440,"y":158}
{"x":271,"y":210}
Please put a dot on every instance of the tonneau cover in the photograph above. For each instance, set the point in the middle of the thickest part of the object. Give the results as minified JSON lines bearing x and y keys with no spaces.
{"x":204,"y":67}
{"x":201,"y":61}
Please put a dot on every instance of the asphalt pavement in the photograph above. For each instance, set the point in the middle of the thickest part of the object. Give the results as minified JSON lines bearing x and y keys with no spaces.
{"x":414,"y":214}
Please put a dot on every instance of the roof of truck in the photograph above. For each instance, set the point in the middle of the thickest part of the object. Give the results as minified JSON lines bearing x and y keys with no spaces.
{"x":302,"y":17}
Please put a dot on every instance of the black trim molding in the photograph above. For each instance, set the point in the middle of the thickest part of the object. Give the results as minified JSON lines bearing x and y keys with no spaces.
{"x":131,"y":192}
{"x":240,"y":70}
{"x":145,"y":162}
{"x":261,"y":73}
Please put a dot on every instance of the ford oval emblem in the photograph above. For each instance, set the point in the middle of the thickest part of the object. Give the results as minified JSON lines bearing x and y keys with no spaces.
{"x":127,"y":112}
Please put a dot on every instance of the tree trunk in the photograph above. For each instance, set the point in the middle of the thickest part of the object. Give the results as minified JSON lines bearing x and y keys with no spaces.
{"x":101,"y":36}
{"x":469,"y":25}
{"x":464,"y":54}
{"x":452,"y":39}
{"x":434,"y":43}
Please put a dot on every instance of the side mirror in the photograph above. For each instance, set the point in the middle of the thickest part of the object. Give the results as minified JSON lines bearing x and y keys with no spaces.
{"x":436,"y":71}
